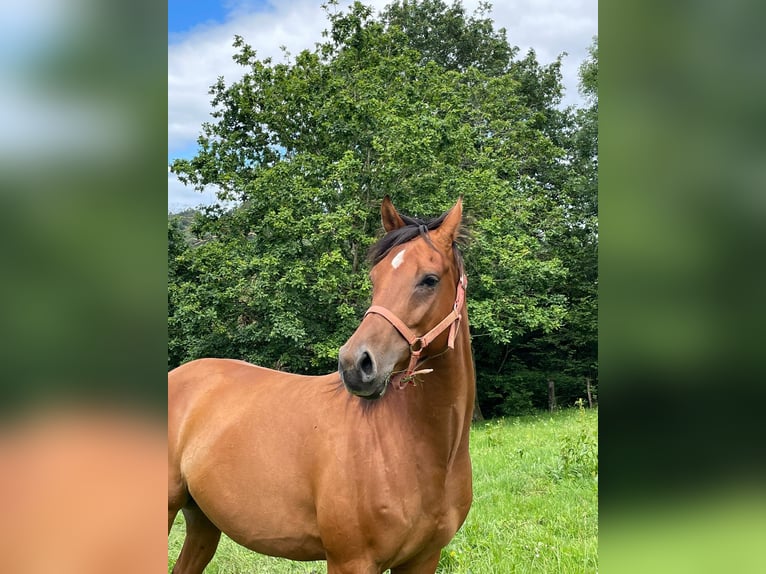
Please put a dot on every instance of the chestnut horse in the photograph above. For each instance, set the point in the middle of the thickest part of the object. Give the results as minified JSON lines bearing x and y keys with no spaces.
{"x":372,"y":477}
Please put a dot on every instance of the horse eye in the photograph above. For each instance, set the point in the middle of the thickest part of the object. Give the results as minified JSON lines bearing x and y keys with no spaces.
{"x":429,"y":281}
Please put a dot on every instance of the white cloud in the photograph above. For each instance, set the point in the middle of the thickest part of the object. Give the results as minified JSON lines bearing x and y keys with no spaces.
{"x":198,"y":58}
{"x":196,"y":61}
{"x":551,"y":27}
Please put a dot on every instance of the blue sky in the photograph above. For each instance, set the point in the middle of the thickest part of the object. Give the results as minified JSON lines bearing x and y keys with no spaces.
{"x":200,"y":35}
{"x":184,"y":15}
{"x":185,"y":19}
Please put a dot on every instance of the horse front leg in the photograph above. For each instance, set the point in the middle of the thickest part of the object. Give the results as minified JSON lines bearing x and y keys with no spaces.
{"x":200,"y":544}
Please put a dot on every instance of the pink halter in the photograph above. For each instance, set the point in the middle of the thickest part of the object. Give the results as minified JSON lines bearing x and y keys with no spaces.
{"x":417,"y":344}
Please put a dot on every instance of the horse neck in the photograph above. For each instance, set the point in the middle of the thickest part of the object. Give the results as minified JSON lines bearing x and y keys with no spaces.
{"x":442,"y":404}
{"x":453,"y":372}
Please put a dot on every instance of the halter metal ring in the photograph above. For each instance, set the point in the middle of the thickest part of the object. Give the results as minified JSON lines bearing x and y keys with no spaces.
{"x":417,"y":345}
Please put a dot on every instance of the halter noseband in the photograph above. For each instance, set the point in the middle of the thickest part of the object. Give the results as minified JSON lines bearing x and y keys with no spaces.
{"x":418,"y":344}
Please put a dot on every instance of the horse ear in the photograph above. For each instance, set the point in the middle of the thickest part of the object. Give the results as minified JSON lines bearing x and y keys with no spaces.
{"x":448,"y":231}
{"x":391,"y":218}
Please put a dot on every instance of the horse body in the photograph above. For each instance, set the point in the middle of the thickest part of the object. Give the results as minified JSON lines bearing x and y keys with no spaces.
{"x":303,"y":468}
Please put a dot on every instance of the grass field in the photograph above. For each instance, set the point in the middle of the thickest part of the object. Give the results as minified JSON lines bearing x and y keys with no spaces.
{"x":535,"y":506}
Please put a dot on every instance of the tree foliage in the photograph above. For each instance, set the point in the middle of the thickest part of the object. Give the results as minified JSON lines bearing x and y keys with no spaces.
{"x":421,"y":102}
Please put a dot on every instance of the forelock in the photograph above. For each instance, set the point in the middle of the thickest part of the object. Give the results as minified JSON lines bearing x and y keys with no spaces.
{"x":413,"y":226}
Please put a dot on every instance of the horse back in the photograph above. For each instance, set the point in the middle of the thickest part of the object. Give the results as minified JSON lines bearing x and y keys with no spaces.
{"x":213,"y":397}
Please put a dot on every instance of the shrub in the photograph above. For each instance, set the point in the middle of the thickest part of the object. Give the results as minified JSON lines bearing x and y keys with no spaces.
{"x":578,"y":451}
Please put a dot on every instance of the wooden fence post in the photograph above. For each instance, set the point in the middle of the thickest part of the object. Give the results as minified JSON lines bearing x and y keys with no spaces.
{"x":587,"y":386}
{"x":551,"y":396}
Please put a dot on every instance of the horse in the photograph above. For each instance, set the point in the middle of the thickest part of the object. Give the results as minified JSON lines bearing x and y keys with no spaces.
{"x":368,"y":467}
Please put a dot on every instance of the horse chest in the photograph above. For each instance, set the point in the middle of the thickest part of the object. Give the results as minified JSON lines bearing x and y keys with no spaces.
{"x":397,"y":501}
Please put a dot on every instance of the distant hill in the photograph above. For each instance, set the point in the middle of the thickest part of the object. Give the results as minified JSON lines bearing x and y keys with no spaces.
{"x":184,"y":219}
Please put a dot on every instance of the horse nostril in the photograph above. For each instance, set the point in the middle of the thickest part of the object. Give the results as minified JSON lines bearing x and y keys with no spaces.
{"x":366,"y":365}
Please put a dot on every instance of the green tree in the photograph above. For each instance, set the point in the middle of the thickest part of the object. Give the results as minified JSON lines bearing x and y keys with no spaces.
{"x":449,"y":37}
{"x":569,"y":355}
{"x":309,"y":146}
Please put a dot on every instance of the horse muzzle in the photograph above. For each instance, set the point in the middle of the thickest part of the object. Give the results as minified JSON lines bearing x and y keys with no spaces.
{"x":361,"y":374}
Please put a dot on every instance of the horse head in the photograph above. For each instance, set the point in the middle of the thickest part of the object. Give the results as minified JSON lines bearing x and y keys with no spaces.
{"x":417,"y":299}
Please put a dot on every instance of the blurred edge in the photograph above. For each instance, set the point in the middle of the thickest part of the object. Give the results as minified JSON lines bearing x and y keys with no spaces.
{"x":83,"y":177}
{"x":682,"y":281}
{"x":83,"y":201}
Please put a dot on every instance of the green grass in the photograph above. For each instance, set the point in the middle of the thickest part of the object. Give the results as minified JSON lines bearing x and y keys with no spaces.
{"x":535,"y":505}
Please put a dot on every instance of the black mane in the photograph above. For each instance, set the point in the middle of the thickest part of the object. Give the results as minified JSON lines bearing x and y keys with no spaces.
{"x":413,"y":226}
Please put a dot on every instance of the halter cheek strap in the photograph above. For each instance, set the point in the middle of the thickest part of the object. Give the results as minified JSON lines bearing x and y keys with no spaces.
{"x":418,"y":344}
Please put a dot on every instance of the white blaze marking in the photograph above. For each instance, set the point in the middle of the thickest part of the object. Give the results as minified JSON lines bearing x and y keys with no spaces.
{"x":398,"y":259}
